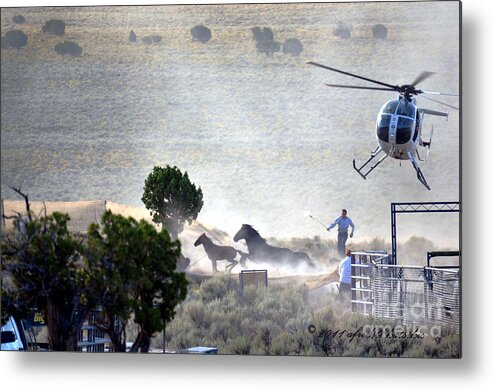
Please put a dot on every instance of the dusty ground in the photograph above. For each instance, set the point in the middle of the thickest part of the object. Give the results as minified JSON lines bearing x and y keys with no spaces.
{"x":83,"y":213}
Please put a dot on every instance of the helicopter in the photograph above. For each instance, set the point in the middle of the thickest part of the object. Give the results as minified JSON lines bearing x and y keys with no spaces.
{"x":399,"y":122}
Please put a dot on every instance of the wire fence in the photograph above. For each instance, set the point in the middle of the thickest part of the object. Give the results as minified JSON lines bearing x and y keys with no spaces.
{"x":410,"y":295}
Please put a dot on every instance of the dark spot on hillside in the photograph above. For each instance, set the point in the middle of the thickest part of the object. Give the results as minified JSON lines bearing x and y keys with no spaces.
{"x":379,"y":31}
{"x":268,"y":47}
{"x":201,"y":34}
{"x":265,"y":41}
{"x":262,"y":35}
{"x":132,"y":37}
{"x":342,"y":31}
{"x":292,"y":46}
{"x":14,"y":39}
{"x":55,"y":27}
{"x":69,"y":48}
{"x":150,"y":39}
{"x":19,"y":19}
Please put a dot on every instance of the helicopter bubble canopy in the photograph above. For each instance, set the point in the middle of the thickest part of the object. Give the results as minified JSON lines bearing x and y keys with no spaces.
{"x":399,"y":113}
{"x":400,"y":106}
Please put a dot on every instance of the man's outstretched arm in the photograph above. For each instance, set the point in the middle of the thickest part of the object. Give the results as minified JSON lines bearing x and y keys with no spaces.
{"x":333,"y":224}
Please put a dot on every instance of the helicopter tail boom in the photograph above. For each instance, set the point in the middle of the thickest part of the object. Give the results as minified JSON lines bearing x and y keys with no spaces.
{"x":433,"y":112}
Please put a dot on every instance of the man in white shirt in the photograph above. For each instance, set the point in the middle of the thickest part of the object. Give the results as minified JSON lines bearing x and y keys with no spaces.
{"x":345,"y":275}
{"x":343,"y":223}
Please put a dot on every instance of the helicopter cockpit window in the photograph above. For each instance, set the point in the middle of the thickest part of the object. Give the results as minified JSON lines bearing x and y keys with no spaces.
{"x":404,"y":130}
{"x":390,"y":107}
{"x":406,"y":108}
{"x":383,"y":127}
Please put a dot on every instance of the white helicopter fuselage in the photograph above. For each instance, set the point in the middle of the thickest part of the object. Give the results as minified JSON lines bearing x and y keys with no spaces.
{"x":397,"y":131}
{"x":399,"y":122}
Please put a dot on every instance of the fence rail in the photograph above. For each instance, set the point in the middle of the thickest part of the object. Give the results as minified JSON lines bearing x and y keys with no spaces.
{"x":410,"y":295}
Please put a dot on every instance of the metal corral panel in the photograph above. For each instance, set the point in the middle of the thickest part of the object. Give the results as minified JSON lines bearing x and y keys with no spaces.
{"x":253,"y":277}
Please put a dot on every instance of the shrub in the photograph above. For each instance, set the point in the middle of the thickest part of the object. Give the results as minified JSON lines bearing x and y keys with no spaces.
{"x":54,"y":26}
{"x":239,"y":345}
{"x":262,"y":35}
{"x":379,"y":31}
{"x":265,"y":41}
{"x":217,"y":287}
{"x":220,"y":331}
{"x":147,"y":40}
{"x":342,"y":31}
{"x":14,"y":39}
{"x":19,"y":19}
{"x":274,"y":321}
{"x":282,"y":345}
{"x":150,"y":39}
{"x":292,"y":46}
{"x":263,"y":338}
{"x":268,"y":47}
{"x":69,"y":48}
{"x":201,"y":34}
{"x":196,"y":312}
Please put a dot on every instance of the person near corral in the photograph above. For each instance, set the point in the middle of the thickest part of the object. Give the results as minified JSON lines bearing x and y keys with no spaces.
{"x":345,"y":275}
{"x":343,"y":223}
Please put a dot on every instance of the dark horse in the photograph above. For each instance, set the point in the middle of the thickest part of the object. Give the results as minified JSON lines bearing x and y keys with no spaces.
{"x":259,"y":251}
{"x":218,"y":252}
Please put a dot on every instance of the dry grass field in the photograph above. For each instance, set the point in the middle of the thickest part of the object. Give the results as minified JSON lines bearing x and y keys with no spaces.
{"x":262,"y":135}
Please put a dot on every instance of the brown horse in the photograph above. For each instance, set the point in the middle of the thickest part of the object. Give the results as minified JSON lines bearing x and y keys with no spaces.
{"x":218,"y":252}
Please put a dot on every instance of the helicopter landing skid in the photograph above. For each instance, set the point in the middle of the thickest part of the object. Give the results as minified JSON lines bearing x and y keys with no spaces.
{"x":373,"y":156}
{"x":421,"y":177}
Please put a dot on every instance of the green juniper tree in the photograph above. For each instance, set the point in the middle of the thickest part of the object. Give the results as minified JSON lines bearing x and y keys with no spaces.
{"x":172,"y":198}
{"x":124,"y":267}
{"x":132,"y":268}
{"x":46,"y":271}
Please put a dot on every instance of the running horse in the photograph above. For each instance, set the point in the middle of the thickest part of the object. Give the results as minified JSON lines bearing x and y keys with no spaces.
{"x":218,"y":252}
{"x":261,"y":252}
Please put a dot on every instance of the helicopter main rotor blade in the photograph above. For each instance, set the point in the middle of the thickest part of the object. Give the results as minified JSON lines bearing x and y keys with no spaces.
{"x":358,"y":87}
{"x":394,"y":87}
{"x":440,"y":93}
{"x":438,"y":101}
{"x":422,"y":76}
